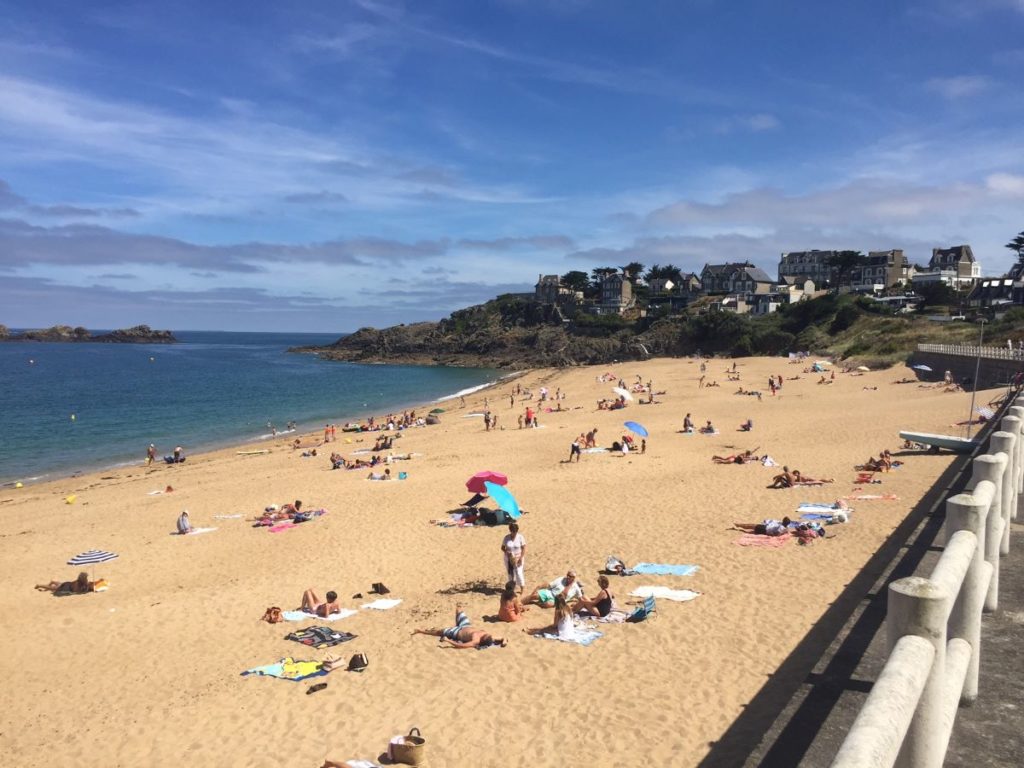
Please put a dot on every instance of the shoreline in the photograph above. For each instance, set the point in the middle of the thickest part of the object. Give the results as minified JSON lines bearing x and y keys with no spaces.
{"x":200,"y":598}
{"x":103,"y":466}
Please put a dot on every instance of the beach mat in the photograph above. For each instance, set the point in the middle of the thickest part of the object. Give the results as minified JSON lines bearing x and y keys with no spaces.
{"x":303,"y":616}
{"x":319,"y":637}
{"x":822,"y":508}
{"x":757,"y":540}
{"x":288,"y":669}
{"x":194,"y":531}
{"x":872,"y":497}
{"x":382,"y":605}
{"x":678,"y":595}
{"x":663,"y":569}
{"x":583,"y":636}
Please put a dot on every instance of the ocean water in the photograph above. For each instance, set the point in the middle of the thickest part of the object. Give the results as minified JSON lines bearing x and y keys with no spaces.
{"x":211,"y":390}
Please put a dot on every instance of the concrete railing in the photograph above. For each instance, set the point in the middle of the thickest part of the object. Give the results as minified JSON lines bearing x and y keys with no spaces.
{"x":934,"y":624}
{"x":973,"y":351}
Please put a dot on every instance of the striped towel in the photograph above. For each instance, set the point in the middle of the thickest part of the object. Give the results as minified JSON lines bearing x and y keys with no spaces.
{"x":757,"y":540}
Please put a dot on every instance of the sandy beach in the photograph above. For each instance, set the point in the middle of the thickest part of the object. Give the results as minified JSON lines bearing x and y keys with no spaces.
{"x":148,"y":672}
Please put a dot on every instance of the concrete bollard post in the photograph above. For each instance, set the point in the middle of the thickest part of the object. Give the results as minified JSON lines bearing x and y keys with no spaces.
{"x":1017,"y":412}
{"x":1006,"y":443}
{"x":966,"y":513}
{"x":919,"y":607}
{"x":991,"y":468}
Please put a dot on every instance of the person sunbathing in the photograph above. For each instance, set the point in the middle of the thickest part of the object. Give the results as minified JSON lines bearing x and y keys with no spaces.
{"x":767,"y":527}
{"x":545,"y":595}
{"x":378,"y":476}
{"x":510,"y":608}
{"x":784,"y":480}
{"x":464,"y":637}
{"x":799,"y":479}
{"x":312,"y":604}
{"x":737,"y":458}
{"x":562,"y":626}
{"x":79,"y":586}
{"x":601,"y":604}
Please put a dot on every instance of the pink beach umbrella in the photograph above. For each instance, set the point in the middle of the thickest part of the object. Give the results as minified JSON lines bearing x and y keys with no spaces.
{"x":475,"y":484}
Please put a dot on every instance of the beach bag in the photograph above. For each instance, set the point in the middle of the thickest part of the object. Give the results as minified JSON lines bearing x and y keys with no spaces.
{"x":272,"y":615}
{"x":408,"y":750}
{"x":358,"y":663}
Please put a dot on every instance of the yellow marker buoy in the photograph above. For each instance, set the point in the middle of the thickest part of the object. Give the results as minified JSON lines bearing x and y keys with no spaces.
{"x":72,"y":417}
{"x":70,"y":499}
{"x":152,"y":359}
{"x":18,"y":485}
{"x":31,"y":362}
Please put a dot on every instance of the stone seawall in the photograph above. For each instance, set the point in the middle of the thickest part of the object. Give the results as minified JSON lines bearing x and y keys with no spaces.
{"x":991,"y":373}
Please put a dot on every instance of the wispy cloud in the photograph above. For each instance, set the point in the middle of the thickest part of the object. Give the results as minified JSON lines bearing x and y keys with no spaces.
{"x":960,"y":86}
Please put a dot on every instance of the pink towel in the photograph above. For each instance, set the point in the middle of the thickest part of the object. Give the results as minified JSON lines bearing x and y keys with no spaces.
{"x":283,"y":527}
{"x":757,"y":540}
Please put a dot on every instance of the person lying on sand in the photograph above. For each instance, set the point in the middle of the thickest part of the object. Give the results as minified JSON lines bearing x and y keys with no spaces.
{"x":799,"y":479}
{"x":379,"y":476}
{"x":562,"y":626}
{"x":510,"y":608}
{"x":79,"y":586}
{"x":737,"y":458}
{"x":545,"y":595}
{"x":767,"y":527}
{"x":600,"y":605}
{"x":312,"y":604}
{"x":464,"y":637}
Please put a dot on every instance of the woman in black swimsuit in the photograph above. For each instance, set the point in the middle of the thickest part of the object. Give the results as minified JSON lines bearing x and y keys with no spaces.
{"x":601,"y":604}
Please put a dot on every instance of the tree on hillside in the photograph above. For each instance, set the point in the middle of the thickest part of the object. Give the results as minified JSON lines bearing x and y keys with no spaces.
{"x":599,"y":274}
{"x":844,"y":262}
{"x":667,"y":272}
{"x":576,"y":280}
{"x":633,"y":270}
{"x":1017,"y":245}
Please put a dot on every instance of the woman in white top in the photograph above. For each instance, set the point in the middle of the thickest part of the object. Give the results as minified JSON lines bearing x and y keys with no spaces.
{"x":563,"y":625}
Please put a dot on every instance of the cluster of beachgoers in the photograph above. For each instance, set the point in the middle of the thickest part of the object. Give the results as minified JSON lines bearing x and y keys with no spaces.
{"x":569,"y":595}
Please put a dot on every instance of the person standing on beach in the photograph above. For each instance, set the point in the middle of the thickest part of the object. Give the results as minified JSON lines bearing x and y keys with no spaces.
{"x":514,"y":547}
{"x":575,"y":450}
{"x":150,"y":455}
{"x":327,"y":433}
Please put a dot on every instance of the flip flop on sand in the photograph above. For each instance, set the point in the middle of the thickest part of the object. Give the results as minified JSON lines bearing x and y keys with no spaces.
{"x":315,"y":688}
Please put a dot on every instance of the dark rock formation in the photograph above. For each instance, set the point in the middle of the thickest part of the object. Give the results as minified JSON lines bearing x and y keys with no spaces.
{"x":140,"y":334}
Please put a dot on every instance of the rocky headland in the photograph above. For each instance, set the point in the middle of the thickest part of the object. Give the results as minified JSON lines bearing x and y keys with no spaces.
{"x":139,"y":334}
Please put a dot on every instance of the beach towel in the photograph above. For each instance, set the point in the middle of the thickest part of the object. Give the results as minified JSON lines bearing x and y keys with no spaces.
{"x":824,"y":508}
{"x":320,"y":637}
{"x":283,"y":527}
{"x":193,"y":531}
{"x":678,"y":595}
{"x":381,"y":605}
{"x":768,"y":461}
{"x":595,"y":450}
{"x":865,"y":478}
{"x":661,"y":569}
{"x":757,"y":540}
{"x":303,"y":616}
{"x":615,"y":616}
{"x":289,"y":669}
{"x":872,"y":497}
{"x":819,"y":516}
{"x":582,"y":636}
{"x":227,"y":517}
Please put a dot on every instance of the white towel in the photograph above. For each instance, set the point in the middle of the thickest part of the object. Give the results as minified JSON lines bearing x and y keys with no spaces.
{"x":303,"y":616}
{"x":768,"y":461}
{"x":678,"y":595}
{"x":200,"y":530}
{"x":227,"y":517}
{"x":381,"y":605}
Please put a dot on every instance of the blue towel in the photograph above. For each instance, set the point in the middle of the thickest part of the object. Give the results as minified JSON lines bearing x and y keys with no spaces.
{"x":661,"y":569}
{"x":583,"y":636}
{"x":810,"y":507}
{"x":815,"y":516}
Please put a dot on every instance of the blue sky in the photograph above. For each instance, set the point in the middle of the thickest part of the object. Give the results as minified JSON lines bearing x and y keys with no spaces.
{"x":327,"y":165}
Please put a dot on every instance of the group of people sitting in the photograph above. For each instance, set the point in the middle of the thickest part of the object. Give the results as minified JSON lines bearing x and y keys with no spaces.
{"x":883,"y":463}
{"x":340,"y":462}
{"x":292,"y":511}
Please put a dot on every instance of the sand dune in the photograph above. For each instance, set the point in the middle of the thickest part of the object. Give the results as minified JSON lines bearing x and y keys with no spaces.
{"x":147,"y":673}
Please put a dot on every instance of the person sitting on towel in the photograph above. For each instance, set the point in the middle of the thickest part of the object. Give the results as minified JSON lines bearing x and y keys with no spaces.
{"x":563,"y":625}
{"x":545,"y":595}
{"x":765,"y":527}
{"x":601,"y":604}
{"x":784,"y":480}
{"x":510,"y":608}
{"x":184,"y":524}
{"x":312,"y":604}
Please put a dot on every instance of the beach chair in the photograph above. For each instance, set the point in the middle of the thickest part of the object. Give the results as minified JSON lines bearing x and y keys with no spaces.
{"x":642,"y":611}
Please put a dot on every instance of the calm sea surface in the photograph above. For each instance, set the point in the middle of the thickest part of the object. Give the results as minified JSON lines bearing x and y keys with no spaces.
{"x":212,"y":389}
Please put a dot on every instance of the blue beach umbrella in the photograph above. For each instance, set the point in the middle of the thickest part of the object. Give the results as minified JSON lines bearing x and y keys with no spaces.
{"x":638,"y":429}
{"x":503,"y":499}
{"x":92,"y":557}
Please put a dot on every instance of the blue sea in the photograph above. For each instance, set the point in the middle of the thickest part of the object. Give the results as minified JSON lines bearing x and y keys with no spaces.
{"x":66,"y":408}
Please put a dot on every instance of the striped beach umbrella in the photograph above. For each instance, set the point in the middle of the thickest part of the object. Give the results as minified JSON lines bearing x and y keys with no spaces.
{"x":92,"y":557}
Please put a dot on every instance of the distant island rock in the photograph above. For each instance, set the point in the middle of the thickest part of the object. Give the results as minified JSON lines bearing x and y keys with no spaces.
{"x":140,"y":334}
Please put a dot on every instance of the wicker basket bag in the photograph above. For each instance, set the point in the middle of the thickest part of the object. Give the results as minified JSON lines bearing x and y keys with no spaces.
{"x":410,"y":750}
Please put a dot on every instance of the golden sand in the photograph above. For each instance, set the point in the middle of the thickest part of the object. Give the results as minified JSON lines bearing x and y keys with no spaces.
{"x":147,"y":673}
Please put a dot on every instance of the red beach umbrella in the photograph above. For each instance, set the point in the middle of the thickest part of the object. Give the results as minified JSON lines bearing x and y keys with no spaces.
{"x":475,"y":484}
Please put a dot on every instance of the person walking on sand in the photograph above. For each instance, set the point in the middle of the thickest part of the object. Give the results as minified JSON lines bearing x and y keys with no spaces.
{"x":514,"y":548}
{"x":575,"y":451}
{"x":150,"y":455}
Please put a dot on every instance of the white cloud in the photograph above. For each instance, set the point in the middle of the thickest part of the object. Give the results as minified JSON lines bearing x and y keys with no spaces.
{"x":960,"y":86}
{"x":1007,"y":184}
